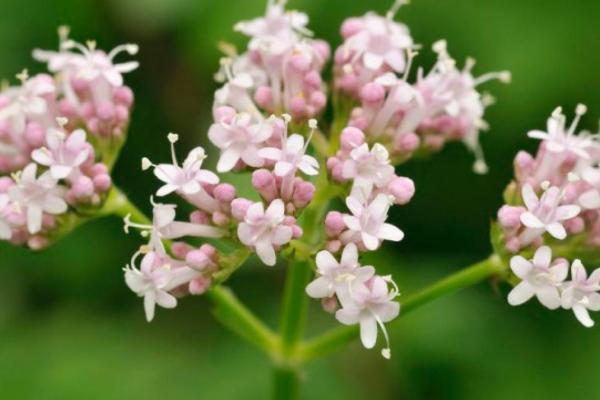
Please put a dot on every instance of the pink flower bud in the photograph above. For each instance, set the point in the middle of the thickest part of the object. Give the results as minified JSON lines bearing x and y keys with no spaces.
{"x":224,"y":192}
{"x":223,"y":113}
{"x":99,"y":168}
{"x":210,"y":251}
{"x":318,"y":99}
{"x":334,"y":223}
{"x":574,"y":225}
{"x":402,"y":188}
{"x":296,"y":231}
{"x":297,"y":106}
{"x":313,"y":79}
{"x":199,"y":217}
{"x":199,"y":285}
{"x":219,"y":218}
{"x":510,"y":217}
{"x":303,"y":193}
{"x":5,"y":183}
{"x":264,"y":181}
{"x":333,"y":246}
{"x":372,"y":93}
{"x":351,"y":137}
{"x":407,"y":143}
{"x":123,"y":95}
{"x":180,"y":249}
{"x":239,"y":207}
{"x":105,"y":111}
{"x":197,"y":259}
{"x":35,"y":134}
{"x":350,"y":27}
{"x":513,"y":245}
{"x":264,"y":97}
{"x":102,"y":182}
{"x":83,"y":187}
{"x":330,"y":304}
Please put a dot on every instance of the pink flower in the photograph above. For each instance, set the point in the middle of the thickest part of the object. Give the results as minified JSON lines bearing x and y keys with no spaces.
{"x":545,"y":214}
{"x":368,"y":168}
{"x":367,"y":223}
{"x":580,"y":294}
{"x":263,"y":229}
{"x":240,"y":139}
{"x":539,"y":277}
{"x":188,"y":178}
{"x":372,"y":305}
{"x":64,"y":154}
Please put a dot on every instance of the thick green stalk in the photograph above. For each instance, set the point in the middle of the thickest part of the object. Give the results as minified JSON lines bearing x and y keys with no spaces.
{"x":295,"y":304}
{"x":333,"y":340}
{"x":286,"y":384}
{"x":239,"y":319}
{"x":118,"y":204}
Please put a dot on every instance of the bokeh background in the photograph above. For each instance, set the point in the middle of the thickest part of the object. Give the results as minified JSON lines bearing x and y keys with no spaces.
{"x":69,"y":328}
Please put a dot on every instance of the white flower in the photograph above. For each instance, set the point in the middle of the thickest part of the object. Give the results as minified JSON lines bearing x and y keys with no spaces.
{"x":545,"y":214}
{"x":265,"y":229}
{"x":240,"y":139}
{"x":338,"y":277}
{"x":64,"y":153}
{"x":188,"y":178}
{"x":580,"y":294}
{"x":372,"y":306}
{"x":291,"y":156}
{"x":367,"y":222}
{"x":559,"y":139}
{"x":155,"y":278}
{"x":539,"y":277}
{"x":368,"y":169}
{"x":380,"y":42}
{"x":37,"y":196}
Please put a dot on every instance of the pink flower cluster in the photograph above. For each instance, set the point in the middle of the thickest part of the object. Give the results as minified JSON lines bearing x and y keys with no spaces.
{"x":442,"y":105}
{"x":545,"y":279}
{"x":557,"y":192}
{"x":281,"y":70}
{"x":44,"y":145}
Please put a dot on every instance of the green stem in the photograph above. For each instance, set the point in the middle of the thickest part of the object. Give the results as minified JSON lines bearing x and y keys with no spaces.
{"x":118,"y":204}
{"x":239,"y":319}
{"x":295,"y":304}
{"x":286,"y":385}
{"x":336,"y":338}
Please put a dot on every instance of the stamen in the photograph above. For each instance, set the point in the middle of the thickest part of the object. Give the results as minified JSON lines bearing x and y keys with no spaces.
{"x":580,"y":110}
{"x":386,"y":352}
{"x":146,"y":163}
{"x":394,"y":8}
{"x":23,"y":76}
{"x":173,"y":138}
{"x":91,"y":44}
{"x":545,"y":185}
{"x":502,"y":76}
{"x":130,"y":48}
{"x":410,"y":56}
{"x":62,"y":121}
{"x":63,"y":33}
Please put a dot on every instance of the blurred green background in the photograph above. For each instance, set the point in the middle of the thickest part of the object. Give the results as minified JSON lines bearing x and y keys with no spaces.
{"x":69,"y":327}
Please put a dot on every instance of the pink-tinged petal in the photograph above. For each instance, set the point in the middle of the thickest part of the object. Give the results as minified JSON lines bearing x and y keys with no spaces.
{"x":578,"y":272}
{"x":520,"y":294}
{"x":567,"y":297}
{"x":368,"y":331}
{"x":583,"y":316}
{"x":349,"y":256}
{"x":113,"y":77}
{"x":275,"y":210}
{"x":163,"y":215}
{"x":191,"y":187}
{"x":529,"y":197}
{"x":270,"y":153}
{"x":82,"y":156}
{"x":326,"y":261}
{"x":307,"y":166}
{"x":535,"y":134}
{"x":5,"y":231}
{"x":349,"y":169}
{"x":560,"y":270}
{"x":219,"y":136}
{"x":29,"y":172}
{"x":229,"y":157}
{"x":255,"y":212}
{"x":370,"y":241}
{"x":566,"y":212}
{"x":134,"y":281}
{"x":549,"y":297}
{"x":555,"y":147}
{"x":245,"y":234}
{"x":149,"y":304}
{"x":54,"y":205}
{"x":283,"y":168}
{"x":395,"y":59}
{"x":167,"y":172}
{"x":388,"y":311}
{"x":593,"y":301}
{"x":351,"y":222}
{"x":595,"y":277}
{"x":354,"y":205}
{"x":543,"y":257}
{"x":348,"y":315}
{"x":590,"y":199}
{"x":148,"y":262}
{"x":34,"y":219}
{"x":250,"y":157}
{"x":556,"y":230}
{"x":75,"y":140}
{"x":266,"y":253}
{"x":166,"y":189}
{"x":372,"y":61}
{"x":530,"y":220}
{"x":60,"y":171}
{"x":319,"y":288}
{"x":390,"y":232}
{"x":520,"y":266}
{"x":282,"y":235}
{"x":42,"y":157}
{"x":166,"y":300}
{"x":206,"y":176}
{"x":294,"y":144}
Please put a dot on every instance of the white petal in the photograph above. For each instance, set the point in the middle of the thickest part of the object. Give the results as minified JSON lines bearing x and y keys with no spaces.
{"x":370,"y":241}
{"x":529,"y":197}
{"x":590,"y":199}
{"x":283,"y":168}
{"x":520,"y":266}
{"x":54,"y":205}
{"x":319,"y":288}
{"x":549,"y":297}
{"x":368,"y":332}
{"x":229,"y":157}
{"x":583,"y":316}
{"x":270,"y":153}
{"x":567,"y":212}
{"x":530,"y":220}
{"x":348,"y":315}
{"x":542,"y":257}
{"x":166,"y":300}
{"x":351,"y":222}
{"x":520,"y":294}
{"x":390,"y":232}
{"x":349,"y":255}
{"x":326,"y":261}
{"x":372,"y":61}
{"x":557,"y":230}
{"x":206,"y":176}
{"x":149,"y":305}
{"x":275,"y":210}
{"x":282,"y":235}
{"x":34,"y":218}
{"x":265,"y":251}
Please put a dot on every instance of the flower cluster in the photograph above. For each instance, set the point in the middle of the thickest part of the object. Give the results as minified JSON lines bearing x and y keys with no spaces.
{"x":545,"y":279}
{"x":553,"y":204}
{"x":281,"y":70}
{"x":50,"y":163}
{"x":263,"y":124}
{"x":441,"y":106}
{"x":555,"y":195}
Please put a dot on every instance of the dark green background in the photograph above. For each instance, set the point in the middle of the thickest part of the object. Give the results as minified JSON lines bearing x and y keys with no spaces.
{"x":70,"y":329}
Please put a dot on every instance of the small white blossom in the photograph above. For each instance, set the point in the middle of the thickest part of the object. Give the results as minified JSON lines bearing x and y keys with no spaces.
{"x":64,"y":154}
{"x":539,"y":277}
{"x":580,"y":294}
{"x":368,"y":168}
{"x":263,"y":229}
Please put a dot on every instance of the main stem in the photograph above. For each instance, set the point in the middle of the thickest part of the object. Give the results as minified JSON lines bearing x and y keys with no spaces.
{"x":333,"y":340}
